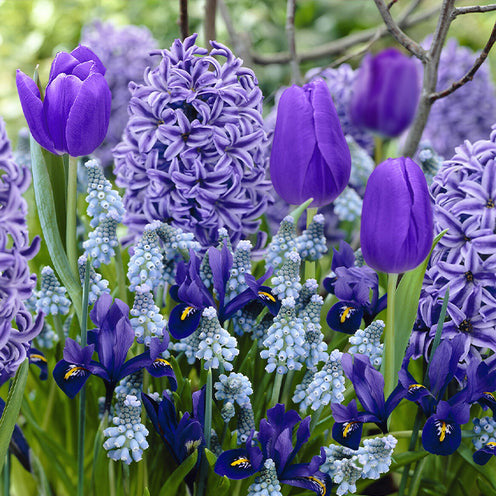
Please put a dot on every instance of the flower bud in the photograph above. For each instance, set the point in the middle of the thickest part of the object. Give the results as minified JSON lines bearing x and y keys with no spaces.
{"x":386,"y":93}
{"x":310,"y":157}
{"x":74,"y":115}
{"x":397,"y":228}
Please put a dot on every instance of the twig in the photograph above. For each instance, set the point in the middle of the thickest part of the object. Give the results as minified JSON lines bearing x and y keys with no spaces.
{"x":473,"y":9}
{"x":339,"y":46}
{"x":239,"y":41}
{"x":290,"y":34}
{"x":357,"y":53}
{"x":210,"y":13}
{"x":398,"y":34}
{"x":470,"y":74}
{"x":183,"y":18}
{"x":391,"y":3}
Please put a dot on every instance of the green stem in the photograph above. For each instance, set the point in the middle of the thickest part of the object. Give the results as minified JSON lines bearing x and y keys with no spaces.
{"x":59,"y":329}
{"x":411,"y":447}
{"x":378,"y":150}
{"x":310,"y":266}
{"x":121,"y":277}
{"x":111,"y":476}
{"x":50,"y":402}
{"x":70,"y":234}
{"x":6,"y":475}
{"x":316,"y":417}
{"x":287,"y":386}
{"x":389,"y":341}
{"x":276,"y":389}
{"x":208,"y":409}
{"x":417,"y":477}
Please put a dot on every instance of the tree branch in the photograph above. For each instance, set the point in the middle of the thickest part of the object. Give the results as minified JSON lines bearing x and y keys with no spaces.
{"x":474,"y":9}
{"x":470,"y":74}
{"x":339,"y":46}
{"x":290,"y":34}
{"x":183,"y":18}
{"x":210,"y":13}
{"x":398,"y":34}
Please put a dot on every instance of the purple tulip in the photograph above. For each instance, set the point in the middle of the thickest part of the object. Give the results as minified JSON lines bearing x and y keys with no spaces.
{"x":310,"y":157}
{"x":385,"y":93}
{"x":74,"y":115}
{"x":397,"y":229}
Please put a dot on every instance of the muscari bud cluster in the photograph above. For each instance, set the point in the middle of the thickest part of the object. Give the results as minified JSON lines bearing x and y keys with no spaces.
{"x":147,"y":321}
{"x":260,"y":331}
{"x":145,"y":265}
{"x":228,"y":411}
{"x":368,"y":342}
{"x":246,"y":423}
{"x":188,"y":345}
{"x":216,"y":346}
{"x":241,"y":266}
{"x":283,"y":242}
{"x":359,"y":260}
{"x":327,"y":385}
{"x":484,"y":431}
{"x":301,"y":389}
{"x":362,"y":163}
{"x":98,"y":285}
{"x":309,"y":288}
{"x":47,"y":338}
{"x":348,"y":205}
{"x":235,"y":388}
{"x":311,"y":245}
{"x":51,"y":297}
{"x":429,"y":160}
{"x":286,"y":283}
{"x":244,"y":320}
{"x":102,"y":241}
{"x":314,"y":339}
{"x":266,"y":483}
{"x":284,"y":345}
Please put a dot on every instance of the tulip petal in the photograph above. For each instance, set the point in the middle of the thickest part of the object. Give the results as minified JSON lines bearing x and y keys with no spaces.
{"x":32,"y":106}
{"x":59,"y":98}
{"x":83,"y":54}
{"x":88,"y":119}
{"x":63,"y":63}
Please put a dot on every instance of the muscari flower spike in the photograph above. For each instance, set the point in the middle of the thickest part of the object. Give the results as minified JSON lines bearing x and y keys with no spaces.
{"x":314,"y":339}
{"x":102,"y":241}
{"x":284,"y":345}
{"x":312,"y":245}
{"x":283,"y":242}
{"x":235,"y":388}
{"x":368,"y":342}
{"x":98,"y":285}
{"x":429,"y":160}
{"x":246,"y":423}
{"x":286,"y":282}
{"x":52,"y":299}
{"x":147,"y":321}
{"x":266,"y":483}
{"x":484,"y":431}
{"x":241,"y":266}
{"x":228,"y":411}
{"x":308,"y":289}
{"x":348,"y":205}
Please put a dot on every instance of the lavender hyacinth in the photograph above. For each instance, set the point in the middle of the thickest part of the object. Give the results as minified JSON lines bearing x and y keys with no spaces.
{"x":124,"y":51}
{"x":192,"y":149}
{"x":16,"y":282}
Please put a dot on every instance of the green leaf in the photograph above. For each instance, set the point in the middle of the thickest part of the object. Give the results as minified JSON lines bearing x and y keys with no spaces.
{"x":406,"y":458}
{"x":146,"y":492}
{"x":407,"y":299}
{"x":48,"y":220}
{"x":485,"y":470}
{"x":11,"y":410}
{"x":485,"y":487}
{"x":177,"y":477}
{"x":211,"y":458}
{"x":296,"y":213}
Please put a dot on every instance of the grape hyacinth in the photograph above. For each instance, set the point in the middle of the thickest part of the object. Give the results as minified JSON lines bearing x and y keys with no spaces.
{"x":283,"y":242}
{"x":312,"y":245}
{"x":286,"y":282}
{"x":484,"y":431}
{"x":98,"y":285}
{"x":124,"y":51}
{"x":266,"y":483}
{"x":102,"y":241}
{"x":348,"y":205}
{"x":51,"y":297}
{"x":308,"y":289}
{"x":314,"y":339}
{"x":192,"y":151}
{"x":246,"y":423}
{"x":241,"y":266}
{"x":368,"y":342}
{"x":146,"y":319}
{"x":235,"y":388}
{"x":429,"y":160}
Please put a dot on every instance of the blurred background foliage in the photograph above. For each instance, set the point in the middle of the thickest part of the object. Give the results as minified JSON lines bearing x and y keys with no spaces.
{"x":32,"y":31}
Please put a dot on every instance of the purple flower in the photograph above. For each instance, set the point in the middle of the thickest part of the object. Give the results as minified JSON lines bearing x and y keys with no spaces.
{"x":310,"y":157}
{"x":396,"y":231}
{"x":74,"y":115}
{"x":385,"y":93}
{"x":192,"y":151}
{"x":125,"y":52}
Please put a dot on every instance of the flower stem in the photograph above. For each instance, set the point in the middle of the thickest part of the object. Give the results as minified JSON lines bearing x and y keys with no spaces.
{"x":6,"y":475}
{"x":389,"y":365}
{"x":207,"y":432}
{"x":70,"y":233}
{"x":411,"y":447}
{"x":276,"y":389}
{"x":310,"y":266}
{"x":378,"y":150}
{"x":119,"y":272}
{"x":287,"y":386}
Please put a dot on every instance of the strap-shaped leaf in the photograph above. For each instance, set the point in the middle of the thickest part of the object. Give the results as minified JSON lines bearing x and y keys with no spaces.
{"x":11,"y":411}
{"x":172,"y":484}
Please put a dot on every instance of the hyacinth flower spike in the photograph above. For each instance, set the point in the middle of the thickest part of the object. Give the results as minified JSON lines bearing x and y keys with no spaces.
{"x":273,"y":459}
{"x":111,"y":340}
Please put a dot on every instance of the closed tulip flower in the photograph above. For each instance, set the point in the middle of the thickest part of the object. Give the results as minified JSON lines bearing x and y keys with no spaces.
{"x":310,"y":157}
{"x":386,"y":93}
{"x":397,"y":228}
{"x":74,"y":115}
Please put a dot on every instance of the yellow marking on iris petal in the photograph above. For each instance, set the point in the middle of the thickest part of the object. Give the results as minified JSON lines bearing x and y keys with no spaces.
{"x":488,"y":393}
{"x":443,"y":432}
{"x":320,"y":483}
{"x":348,"y":427}
{"x":72,"y":371}
{"x":187,"y":312}
{"x":491,"y":443}
{"x":39,"y":357}
{"x":239,"y":461}
{"x":415,"y":386}
{"x":164,"y":361}
{"x":267,"y":295}
{"x":344,"y":314}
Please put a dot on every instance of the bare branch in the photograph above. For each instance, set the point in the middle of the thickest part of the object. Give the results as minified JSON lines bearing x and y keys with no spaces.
{"x":358,"y":52}
{"x":239,"y":41}
{"x":290,"y":34}
{"x":391,"y":3}
{"x":339,"y":46}
{"x":210,"y":13}
{"x":398,"y":34}
{"x":470,"y":74}
{"x":473,"y":9}
{"x":183,"y":18}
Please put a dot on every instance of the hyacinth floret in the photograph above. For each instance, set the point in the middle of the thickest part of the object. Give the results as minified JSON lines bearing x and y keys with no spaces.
{"x":98,"y":285}
{"x":312,"y":245}
{"x":484,"y":431}
{"x":368,"y":342}
{"x":348,"y":205}
{"x":286,"y":282}
{"x":235,"y":388}
{"x":146,"y":319}
{"x":216,"y":346}
{"x":145,"y":265}
{"x":266,"y":483}
{"x":283,"y":242}
{"x":327,"y":385}
{"x":51,"y":297}
{"x":102,"y":241}
{"x":284,"y":346}
{"x":192,"y":149}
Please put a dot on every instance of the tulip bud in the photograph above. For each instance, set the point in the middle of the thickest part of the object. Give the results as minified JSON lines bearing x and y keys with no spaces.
{"x":310,"y":157}
{"x":397,"y":228}
{"x":73,"y":117}
{"x":386,"y":93}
